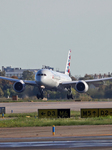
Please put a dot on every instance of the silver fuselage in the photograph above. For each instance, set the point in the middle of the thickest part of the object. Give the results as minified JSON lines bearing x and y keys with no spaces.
{"x":50,"y":79}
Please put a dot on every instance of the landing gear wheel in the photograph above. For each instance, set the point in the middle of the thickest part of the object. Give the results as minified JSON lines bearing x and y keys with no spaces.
{"x":40,"y":96}
{"x":69,"y":96}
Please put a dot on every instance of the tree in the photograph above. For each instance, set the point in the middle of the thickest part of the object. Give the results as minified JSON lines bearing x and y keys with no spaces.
{"x":2,"y":73}
{"x":86,"y":77}
{"x":73,"y":78}
{"x":28,"y":75}
{"x":75,"y":93}
{"x":108,"y":91}
{"x":12,"y":92}
{"x":14,"y":77}
{"x":1,"y":93}
{"x":7,"y":93}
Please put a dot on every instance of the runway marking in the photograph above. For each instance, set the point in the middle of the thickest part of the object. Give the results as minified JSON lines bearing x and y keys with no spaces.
{"x":91,"y":135}
{"x":66,"y":135}
{"x":59,"y":144}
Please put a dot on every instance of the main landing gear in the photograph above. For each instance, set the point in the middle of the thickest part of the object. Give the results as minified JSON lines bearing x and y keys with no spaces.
{"x":69,"y":95}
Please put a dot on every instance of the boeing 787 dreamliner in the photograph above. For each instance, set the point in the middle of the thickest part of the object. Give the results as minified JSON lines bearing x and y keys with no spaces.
{"x":52,"y":80}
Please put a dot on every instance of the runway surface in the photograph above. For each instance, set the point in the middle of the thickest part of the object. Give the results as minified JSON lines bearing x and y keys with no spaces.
{"x":66,"y":137}
{"x":91,"y":142}
{"x":60,"y":131}
{"x":24,"y":107}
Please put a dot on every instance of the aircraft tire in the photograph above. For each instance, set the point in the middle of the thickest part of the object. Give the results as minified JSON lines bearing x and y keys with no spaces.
{"x":40,"y":96}
{"x":69,"y":96}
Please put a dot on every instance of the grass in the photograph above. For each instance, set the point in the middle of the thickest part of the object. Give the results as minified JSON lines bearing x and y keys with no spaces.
{"x":21,"y":115}
{"x":20,"y":120}
{"x":6,"y":100}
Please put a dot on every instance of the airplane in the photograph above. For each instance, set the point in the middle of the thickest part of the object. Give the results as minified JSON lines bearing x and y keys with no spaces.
{"x":46,"y":79}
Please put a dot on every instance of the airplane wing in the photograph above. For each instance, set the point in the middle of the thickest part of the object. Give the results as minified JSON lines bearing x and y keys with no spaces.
{"x":72,"y":83}
{"x":29,"y":82}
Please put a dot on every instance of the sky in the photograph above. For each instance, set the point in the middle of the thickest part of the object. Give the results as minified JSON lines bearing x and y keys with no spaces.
{"x":41,"y":32}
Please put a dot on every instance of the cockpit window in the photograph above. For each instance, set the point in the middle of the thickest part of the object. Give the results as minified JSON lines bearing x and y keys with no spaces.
{"x":41,"y":74}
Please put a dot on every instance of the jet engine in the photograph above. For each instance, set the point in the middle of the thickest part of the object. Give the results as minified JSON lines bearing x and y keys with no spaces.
{"x":19,"y":86}
{"x":81,"y":87}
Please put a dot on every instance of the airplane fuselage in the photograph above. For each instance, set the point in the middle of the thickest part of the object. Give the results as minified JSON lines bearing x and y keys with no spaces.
{"x":50,"y":79}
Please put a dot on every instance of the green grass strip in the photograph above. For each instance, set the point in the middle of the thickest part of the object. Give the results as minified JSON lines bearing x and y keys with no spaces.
{"x":20,"y":120}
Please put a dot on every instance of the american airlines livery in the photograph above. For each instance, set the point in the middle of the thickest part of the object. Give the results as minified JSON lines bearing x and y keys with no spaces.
{"x":51,"y":80}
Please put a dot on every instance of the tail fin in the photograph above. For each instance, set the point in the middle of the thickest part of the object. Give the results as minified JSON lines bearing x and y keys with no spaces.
{"x":67,"y":69}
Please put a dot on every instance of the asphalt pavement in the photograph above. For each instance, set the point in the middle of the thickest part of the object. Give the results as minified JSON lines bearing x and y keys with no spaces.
{"x":25,"y":107}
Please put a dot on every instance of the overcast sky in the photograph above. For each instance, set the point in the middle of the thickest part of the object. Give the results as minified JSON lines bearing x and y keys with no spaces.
{"x":40,"y":32}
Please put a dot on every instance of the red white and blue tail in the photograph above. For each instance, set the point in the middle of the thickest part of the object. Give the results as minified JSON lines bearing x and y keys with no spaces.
{"x":67,"y":69}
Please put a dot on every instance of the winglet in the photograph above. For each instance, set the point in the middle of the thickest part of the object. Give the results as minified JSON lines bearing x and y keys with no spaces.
{"x":67,"y":69}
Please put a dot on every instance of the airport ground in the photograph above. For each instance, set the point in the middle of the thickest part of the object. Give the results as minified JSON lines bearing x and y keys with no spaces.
{"x":23,"y":107}
{"x":60,"y":131}
{"x":63,"y":133}
{"x":98,"y":137}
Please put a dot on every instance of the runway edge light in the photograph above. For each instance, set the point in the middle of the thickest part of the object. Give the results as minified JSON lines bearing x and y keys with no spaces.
{"x":53,"y":129}
{"x":2,"y":115}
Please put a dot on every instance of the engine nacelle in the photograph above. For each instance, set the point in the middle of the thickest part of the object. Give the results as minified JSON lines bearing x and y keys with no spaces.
{"x":81,"y":87}
{"x":19,"y":86}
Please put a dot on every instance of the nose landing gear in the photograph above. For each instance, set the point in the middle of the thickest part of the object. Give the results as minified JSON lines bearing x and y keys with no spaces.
{"x":69,"y":96}
{"x":40,"y":95}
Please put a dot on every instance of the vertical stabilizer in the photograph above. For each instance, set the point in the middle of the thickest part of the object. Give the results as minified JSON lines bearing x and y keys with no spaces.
{"x":67,"y":69}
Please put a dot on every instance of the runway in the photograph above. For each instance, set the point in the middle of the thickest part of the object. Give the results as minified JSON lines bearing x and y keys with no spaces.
{"x":25,"y":107}
{"x":66,"y":137}
{"x":90,"y":142}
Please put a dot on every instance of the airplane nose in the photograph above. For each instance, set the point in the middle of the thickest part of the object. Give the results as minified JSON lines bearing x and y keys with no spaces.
{"x":40,"y":78}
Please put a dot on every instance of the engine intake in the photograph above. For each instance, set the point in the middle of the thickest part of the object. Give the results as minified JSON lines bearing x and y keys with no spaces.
{"x":81,"y":87}
{"x":19,"y":86}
